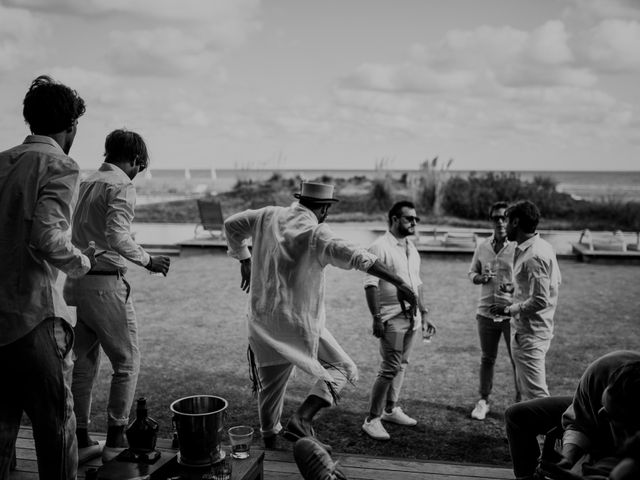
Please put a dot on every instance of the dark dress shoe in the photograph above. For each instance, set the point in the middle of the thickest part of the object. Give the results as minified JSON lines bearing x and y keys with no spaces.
{"x":314,"y":461}
{"x":297,"y":428}
{"x":270,"y":442}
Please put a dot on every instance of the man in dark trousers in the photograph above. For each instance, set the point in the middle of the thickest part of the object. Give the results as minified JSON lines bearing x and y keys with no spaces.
{"x":38,"y":191}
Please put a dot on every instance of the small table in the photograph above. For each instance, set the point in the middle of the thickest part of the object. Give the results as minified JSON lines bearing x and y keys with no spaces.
{"x":167,"y":466}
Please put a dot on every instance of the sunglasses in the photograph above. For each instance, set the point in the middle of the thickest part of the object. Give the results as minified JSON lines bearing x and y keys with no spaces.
{"x":411,"y":218}
{"x":498,"y":218}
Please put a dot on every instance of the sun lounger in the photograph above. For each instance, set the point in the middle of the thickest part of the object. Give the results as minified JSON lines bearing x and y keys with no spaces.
{"x":211,"y":218}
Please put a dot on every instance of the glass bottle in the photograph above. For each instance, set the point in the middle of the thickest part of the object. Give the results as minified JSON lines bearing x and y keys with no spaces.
{"x":142,"y":434}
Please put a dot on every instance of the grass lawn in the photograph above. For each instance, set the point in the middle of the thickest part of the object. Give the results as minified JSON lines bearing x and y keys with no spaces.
{"x":193,"y":341}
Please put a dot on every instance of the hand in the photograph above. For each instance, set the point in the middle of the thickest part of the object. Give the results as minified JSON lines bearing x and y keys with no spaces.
{"x":378,"y":327}
{"x":159,"y":264}
{"x":406,"y":294}
{"x":484,"y":278}
{"x":90,"y":253}
{"x":245,"y":274}
{"x":507,"y":288}
{"x":428,"y":328}
{"x":498,"y":310}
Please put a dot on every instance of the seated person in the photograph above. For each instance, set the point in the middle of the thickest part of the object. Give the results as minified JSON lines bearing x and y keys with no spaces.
{"x":602,"y":414}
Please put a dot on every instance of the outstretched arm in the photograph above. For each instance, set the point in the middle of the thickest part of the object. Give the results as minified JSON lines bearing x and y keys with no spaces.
{"x":405,"y":292}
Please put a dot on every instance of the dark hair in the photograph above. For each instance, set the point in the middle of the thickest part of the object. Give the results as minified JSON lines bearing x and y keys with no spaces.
{"x":312,"y":204}
{"x":527,"y":214}
{"x":124,"y":145}
{"x":396,"y":209}
{"x":624,"y":389}
{"x":51,"y":107}
{"x":497,"y":206}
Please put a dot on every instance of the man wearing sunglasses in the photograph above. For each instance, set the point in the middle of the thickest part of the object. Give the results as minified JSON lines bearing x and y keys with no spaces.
{"x":394,"y":326}
{"x":491,"y":268}
{"x":599,"y":420}
{"x":103,"y":297}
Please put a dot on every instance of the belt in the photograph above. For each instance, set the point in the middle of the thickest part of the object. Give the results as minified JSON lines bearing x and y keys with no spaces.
{"x":104,"y":272}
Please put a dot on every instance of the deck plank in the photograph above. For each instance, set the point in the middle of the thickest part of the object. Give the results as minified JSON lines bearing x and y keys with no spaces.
{"x":279,"y":465}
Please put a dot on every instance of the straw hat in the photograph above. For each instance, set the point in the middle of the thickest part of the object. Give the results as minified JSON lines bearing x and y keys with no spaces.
{"x":317,"y":192}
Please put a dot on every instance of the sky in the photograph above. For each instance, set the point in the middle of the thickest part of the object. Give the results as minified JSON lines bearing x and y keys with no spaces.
{"x":354,"y":84}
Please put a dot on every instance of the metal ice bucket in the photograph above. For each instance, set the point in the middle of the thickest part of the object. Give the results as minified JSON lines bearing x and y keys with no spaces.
{"x":199,"y":423}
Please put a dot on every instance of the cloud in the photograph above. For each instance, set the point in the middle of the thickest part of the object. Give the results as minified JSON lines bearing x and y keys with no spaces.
{"x":19,"y":32}
{"x":160,"y":37}
{"x":614,"y":45}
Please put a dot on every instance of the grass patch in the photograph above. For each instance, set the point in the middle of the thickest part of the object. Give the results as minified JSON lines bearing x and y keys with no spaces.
{"x":193,"y":341}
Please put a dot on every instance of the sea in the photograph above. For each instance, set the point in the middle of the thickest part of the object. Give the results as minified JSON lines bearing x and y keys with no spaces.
{"x":167,"y":184}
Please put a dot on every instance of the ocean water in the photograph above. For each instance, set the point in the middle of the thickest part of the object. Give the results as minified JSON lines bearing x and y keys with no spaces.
{"x":591,"y":185}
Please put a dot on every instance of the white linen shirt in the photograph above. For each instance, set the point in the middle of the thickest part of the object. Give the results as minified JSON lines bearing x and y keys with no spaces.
{"x":501,"y":264}
{"x":104,"y":214}
{"x":290,"y":250}
{"x":403,"y":258}
{"x":537,"y":281}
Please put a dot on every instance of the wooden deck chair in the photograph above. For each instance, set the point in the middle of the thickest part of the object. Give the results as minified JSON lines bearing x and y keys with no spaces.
{"x":211,"y":218}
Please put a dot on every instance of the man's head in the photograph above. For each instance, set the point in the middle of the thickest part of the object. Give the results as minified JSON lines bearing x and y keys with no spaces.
{"x":499,"y":219}
{"x":620,"y":402}
{"x":52,"y":109}
{"x":317,"y":197}
{"x":403,"y":219}
{"x":127,"y":150}
{"x":522,"y":219}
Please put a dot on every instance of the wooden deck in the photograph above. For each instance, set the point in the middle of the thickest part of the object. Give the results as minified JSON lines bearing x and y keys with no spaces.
{"x":279,"y":465}
{"x":585,"y":254}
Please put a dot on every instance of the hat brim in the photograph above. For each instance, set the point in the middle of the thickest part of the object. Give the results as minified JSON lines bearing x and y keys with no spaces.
{"x":316,"y":200}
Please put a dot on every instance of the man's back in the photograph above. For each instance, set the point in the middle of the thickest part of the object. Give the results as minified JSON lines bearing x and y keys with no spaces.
{"x":37,"y":193}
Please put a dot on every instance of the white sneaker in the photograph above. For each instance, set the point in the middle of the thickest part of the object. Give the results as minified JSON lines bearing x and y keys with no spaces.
{"x":399,"y":417}
{"x":480,"y":410}
{"x":375,"y":429}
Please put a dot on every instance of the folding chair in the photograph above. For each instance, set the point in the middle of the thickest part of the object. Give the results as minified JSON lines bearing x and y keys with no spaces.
{"x":211,"y":218}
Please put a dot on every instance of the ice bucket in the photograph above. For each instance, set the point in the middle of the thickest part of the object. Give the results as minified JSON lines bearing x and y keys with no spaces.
{"x":199,"y":423}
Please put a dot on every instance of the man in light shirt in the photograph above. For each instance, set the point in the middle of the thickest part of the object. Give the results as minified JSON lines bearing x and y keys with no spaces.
{"x":536,"y":280}
{"x":106,"y":317}
{"x":284,"y":274}
{"x":492,"y":266}
{"x":38,"y":191}
{"x":391,"y":325}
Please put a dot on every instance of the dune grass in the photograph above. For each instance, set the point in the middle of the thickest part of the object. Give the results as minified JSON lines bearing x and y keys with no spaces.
{"x":193,"y":341}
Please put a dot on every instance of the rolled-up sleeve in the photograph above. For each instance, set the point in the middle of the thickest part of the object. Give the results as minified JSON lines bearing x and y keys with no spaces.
{"x":120,"y":212}
{"x":372,"y":280}
{"x":51,"y":222}
{"x":540,"y":288}
{"x":238,"y":229}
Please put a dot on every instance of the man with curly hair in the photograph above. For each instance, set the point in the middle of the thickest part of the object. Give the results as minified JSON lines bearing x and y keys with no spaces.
{"x":38,"y":191}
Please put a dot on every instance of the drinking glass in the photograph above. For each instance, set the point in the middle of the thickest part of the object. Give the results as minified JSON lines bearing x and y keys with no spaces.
{"x":240,"y":438}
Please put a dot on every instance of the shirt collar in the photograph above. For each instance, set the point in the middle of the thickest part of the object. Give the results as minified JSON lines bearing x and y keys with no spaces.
{"x":43,"y":139}
{"x":110,"y":167}
{"x":396,"y":241}
{"x":526,"y":244}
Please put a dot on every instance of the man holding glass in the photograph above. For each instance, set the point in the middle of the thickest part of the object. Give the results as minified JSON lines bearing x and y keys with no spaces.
{"x":491,"y":266}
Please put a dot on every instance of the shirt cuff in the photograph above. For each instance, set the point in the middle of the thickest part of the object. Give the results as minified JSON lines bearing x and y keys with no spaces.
{"x":577,"y":438}
{"x":80,"y":270}
{"x":241,"y":254}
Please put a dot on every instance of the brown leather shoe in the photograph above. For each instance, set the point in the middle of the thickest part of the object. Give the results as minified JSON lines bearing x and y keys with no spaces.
{"x":314,"y":461}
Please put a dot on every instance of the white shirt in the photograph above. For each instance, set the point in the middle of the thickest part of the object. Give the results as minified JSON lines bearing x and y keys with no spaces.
{"x":501,"y":264}
{"x":403,"y":258}
{"x":537,"y":280}
{"x":290,"y":250}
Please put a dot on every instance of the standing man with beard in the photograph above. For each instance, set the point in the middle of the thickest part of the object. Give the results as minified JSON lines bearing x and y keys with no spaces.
{"x":491,"y":266}
{"x":536,"y":280}
{"x":284,"y":275}
{"x":393,"y":326}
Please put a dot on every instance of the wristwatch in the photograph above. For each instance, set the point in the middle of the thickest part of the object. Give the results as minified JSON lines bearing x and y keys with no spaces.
{"x":377,"y":316}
